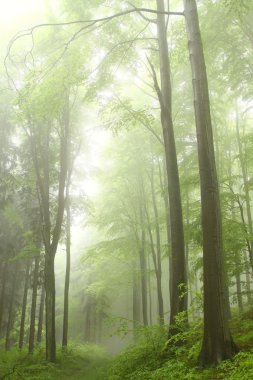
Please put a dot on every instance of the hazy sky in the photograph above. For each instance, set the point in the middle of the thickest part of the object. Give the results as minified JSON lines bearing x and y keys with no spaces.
{"x":14,"y":11}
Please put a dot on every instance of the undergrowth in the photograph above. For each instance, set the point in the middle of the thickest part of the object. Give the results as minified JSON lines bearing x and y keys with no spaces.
{"x":153,"y":357}
{"x":76,"y":362}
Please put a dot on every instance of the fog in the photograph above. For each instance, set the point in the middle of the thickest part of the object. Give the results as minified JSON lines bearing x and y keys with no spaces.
{"x":126,"y":189}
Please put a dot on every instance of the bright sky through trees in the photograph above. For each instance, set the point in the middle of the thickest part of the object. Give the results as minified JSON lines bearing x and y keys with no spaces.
{"x":15,"y":9}
{"x":126,"y":191}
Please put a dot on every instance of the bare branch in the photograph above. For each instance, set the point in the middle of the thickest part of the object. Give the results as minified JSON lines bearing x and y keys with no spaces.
{"x":89,"y":26}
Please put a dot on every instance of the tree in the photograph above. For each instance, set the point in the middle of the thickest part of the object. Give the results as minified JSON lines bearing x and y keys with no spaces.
{"x":178,"y":270}
{"x":217,"y":341}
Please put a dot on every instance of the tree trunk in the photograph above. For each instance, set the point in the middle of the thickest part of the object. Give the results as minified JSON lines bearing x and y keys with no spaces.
{"x":2,"y":299}
{"x":51,"y":234}
{"x":158,"y":251}
{"x":246,"y":188}
{"x":247,"y":275}
{"x":24,"y":304}
{"x":136,"y":299}
{"x":11,"y":309}
{"x":217,"y":341}
{"x":167,"y":211}
{"x":50,"y":308}
{"x":41,"y":314}
{"x":239,"y":290}
{"x":143,"y":269}
{"x":34,"y":303}
{"x":150,"y":292}
{"x":178,"y":272}
{"x":67,"y":275}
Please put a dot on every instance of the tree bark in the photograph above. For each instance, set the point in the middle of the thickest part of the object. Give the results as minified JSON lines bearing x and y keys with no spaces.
{"x":143,"y":269}
{"x":178,"y":272}
{"x":34,"y":303}
{"x":239,"y":290}
{"x":2,"y":299}
{"x":217,"y":341}
{"x":136,"y":299}
{"x":51,"y":233}
{"x":67,"y":275}
{"x":246,"y":187}
{"x":247,"y":275}
{"x":50,"y":307}
{"x":11,"y":309}
{"x":24,"y":304}
{"x":41,"y":314}
{"x":158,"y":251}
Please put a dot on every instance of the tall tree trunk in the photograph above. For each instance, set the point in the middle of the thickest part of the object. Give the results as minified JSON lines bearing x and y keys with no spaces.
{"x":178,"y":272}
{"x":67,"y":275}
{"x":41,"y":314}
{"x":158,"y":251}
{"x":24,"y":304}
{"x":51,"y":234}
{"x":150,"y":292}
{"x":11,"y":309}
{"x":164,"y":189}
{"x":239,"y":290}
{"x":50,"y":307}
{"x":136,"y":299}
{"x":248,"y":243}
{"x":217,"y":341}
{"x":143,"y":269}
{"x":34,"y":303}
{"x":247,"y":275}
{"x":2,"y":299}
{"x":246,"y":187}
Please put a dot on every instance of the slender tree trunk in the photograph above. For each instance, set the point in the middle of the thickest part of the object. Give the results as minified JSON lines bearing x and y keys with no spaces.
{"x":136,"y":299}
{"x":150,"y":292}
{"x":247,"y":275}
{"x":24,"y":304}
{"x":246,"y":188}
{"x":167,"y":211}
{"x":50,"y":307}
{"x":158,"y":250}
{"x":239,"y":290}
{"x":178,"y":271}
{"x":99,"y":328}
{"x":34,"y":303}
{"x":11,"y":309}
{"x":143,"y":269}
{"x":187,"y":222}
{"x":248,"y":243}
{"x":2,"y":299}
{"x":51,"y":234}
{"x":217,"y":341}
{"x":41,"y":314}
{"x":67,"y":275}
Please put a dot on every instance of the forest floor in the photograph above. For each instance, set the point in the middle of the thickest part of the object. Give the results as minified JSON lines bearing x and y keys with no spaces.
{"x":79,"y":362}
{"x":147,"y":360}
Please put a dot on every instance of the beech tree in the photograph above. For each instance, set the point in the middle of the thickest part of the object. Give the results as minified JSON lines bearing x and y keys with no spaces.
{"x":217,"y":342}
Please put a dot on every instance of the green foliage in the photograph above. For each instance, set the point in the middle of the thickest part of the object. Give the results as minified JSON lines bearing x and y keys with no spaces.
{"x":75,"y":362}
{"x":151,"y":359}
{"x":142,"y":358}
